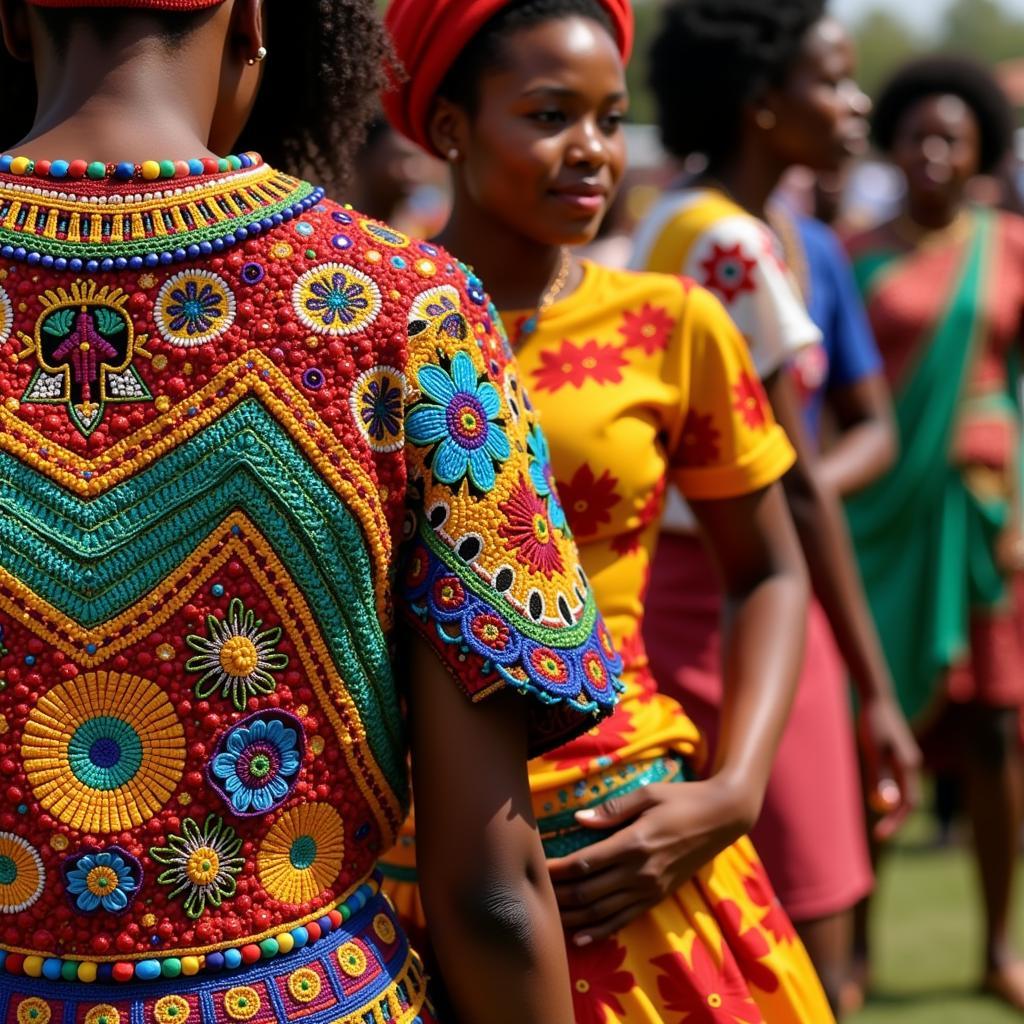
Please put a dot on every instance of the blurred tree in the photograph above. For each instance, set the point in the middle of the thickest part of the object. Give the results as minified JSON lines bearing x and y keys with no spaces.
{"x":884,"y":42}
{"x":984,"y":29}
{"x":648,"y":18}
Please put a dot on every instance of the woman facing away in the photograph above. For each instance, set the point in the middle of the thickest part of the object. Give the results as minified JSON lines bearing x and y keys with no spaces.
{"x":230,"y":407}
{"x":776,"y":77}
{"x":939,"y":536}
{"x":666,"y":908}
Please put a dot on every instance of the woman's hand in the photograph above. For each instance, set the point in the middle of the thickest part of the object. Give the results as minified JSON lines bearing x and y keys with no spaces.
{"x":665,"y":833}
{"x":893,"y":763}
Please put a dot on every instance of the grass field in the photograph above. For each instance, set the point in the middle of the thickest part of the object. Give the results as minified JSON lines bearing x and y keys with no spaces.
{"x":927,"y":928}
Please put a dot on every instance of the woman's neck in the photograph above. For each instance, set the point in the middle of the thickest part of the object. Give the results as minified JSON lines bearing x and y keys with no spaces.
{"x":750,"y":176}
{"x":137,"y":100}
{"x":516,"y":270}
{"x":930,"y":214}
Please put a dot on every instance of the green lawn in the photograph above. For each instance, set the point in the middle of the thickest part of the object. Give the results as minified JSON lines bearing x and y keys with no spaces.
{"x":926,"y":929}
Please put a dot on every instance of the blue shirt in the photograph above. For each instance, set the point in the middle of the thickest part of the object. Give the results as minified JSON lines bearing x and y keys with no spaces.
{"x":848,"y":353}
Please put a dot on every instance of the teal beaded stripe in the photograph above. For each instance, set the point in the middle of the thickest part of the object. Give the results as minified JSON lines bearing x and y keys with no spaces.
{"x":92,"y":559}
{"x":561,"y":834}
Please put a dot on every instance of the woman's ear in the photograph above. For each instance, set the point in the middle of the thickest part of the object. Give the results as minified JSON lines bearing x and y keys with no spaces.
{"x":14,"y":22}
{"x":448,"y":130}
{"x":247,"y":30}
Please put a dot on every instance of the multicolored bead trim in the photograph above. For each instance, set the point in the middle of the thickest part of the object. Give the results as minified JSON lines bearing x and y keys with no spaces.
{"x":58,"y":969}
{"x":108,"y":230}
{"x":364,"y":973}
{"x":148,"y":170}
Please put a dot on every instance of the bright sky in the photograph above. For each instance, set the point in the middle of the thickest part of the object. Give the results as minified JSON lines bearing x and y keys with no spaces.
{"x":924,"y":15}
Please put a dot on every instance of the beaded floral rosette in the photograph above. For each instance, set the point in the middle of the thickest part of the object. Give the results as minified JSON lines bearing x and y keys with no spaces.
{"x":242,"y":431}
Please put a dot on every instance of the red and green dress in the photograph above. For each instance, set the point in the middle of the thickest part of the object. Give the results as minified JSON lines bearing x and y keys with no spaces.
{"x":947,"y":314}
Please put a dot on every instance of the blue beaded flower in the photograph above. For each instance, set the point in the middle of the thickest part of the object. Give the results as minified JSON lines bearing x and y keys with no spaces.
{"x":543,"y":476}
{"x":257,"y":762}
{"x":105,"y":879}
{"x":195,"y":309}
{"x":462,"y":420}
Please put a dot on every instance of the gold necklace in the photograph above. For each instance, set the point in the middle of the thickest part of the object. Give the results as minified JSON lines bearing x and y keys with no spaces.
{"x":529,"y":325}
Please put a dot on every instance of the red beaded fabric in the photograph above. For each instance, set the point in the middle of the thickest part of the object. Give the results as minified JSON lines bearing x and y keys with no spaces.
{"x":242,"y":429}
{"x":154,"y":5}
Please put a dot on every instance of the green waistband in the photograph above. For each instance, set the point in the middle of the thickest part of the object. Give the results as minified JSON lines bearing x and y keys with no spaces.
{"x":562,"y":835}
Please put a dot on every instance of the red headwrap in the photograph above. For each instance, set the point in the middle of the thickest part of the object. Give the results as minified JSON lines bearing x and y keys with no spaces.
{"x":151,"y":5}
{"x":429,"y":34}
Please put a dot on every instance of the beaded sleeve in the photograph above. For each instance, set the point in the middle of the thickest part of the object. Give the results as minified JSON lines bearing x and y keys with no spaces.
{"x":492,"y":576}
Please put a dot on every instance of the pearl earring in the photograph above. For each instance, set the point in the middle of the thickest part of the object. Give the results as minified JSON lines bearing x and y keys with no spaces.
{"x":259,"y":57}
{"x":765,"y":119}
{"x":452,"y":154}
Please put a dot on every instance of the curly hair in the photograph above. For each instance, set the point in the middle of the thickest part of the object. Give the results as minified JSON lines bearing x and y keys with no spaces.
{"x":711,"y":57}
{"x":319,"y":92}
{"x":947,"y":76}
{"x":484,"y":52}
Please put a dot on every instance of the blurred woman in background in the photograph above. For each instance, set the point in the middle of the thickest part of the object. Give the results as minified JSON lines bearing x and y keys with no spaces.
{"x":939,"y":535}
{"x":776,"y":88}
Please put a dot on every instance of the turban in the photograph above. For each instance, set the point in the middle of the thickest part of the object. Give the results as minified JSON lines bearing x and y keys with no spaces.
{"x":149,"y":5}
{"x":429,"y":35}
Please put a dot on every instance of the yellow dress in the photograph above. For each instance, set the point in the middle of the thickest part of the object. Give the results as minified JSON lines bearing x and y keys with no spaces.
{"x":641,"y":380}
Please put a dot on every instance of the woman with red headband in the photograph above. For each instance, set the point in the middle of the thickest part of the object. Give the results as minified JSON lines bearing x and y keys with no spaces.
{"x":243,"y":432}
{"x":638,"y":379}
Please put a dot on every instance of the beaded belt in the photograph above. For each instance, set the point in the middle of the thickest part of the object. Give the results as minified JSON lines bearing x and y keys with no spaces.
{"x":561,"y":834}
{"x":362,"y":972}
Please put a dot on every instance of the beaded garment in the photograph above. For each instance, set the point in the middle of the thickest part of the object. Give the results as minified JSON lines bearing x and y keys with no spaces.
{"x":245,"y":431}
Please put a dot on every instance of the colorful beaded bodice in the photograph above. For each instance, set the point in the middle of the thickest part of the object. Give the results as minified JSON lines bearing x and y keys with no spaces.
{"x":226,"y":410}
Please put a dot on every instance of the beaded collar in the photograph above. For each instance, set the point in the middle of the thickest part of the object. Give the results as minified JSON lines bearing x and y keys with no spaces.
{"x":108,"y":225}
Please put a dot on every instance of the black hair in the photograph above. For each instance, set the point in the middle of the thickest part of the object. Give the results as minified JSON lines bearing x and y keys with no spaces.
{"x":324,"y":71}
{"x":484,"y":50}
{"x":712,"y":57}
{"x":947,"y":75}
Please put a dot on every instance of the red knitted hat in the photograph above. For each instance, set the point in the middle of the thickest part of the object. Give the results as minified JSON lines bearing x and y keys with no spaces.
{"x":151,"y":5}
{"x":429,"y":34}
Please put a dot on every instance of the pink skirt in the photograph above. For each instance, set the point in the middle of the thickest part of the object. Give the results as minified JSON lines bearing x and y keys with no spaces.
{"x":811,"y":834}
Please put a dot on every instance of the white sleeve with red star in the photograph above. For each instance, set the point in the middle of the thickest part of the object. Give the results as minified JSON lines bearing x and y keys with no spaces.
{"x":739,"y":260}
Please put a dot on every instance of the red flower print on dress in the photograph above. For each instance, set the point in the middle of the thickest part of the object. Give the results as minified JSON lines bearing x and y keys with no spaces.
{"x":588,"y":501}
{"x":597,"y":979}
{"x":700,"y":439}
{"x":576,"y":364}
{"x":729,"y":272}
{"x":628,"y":543}
{"x":750,"y":401}
{"x":604,"y":740}
{"x":649,"y":328}
{"x":703,"y":992}
{"x":760,"y":892}
{"x":527,"y":528}
{"x":749,"y":946}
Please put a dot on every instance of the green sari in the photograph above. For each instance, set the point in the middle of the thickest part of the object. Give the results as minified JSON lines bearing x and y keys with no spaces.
{"x":924,"y":539}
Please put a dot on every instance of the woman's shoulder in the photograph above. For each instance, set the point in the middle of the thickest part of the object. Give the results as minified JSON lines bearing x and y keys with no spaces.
{"x":680,"y":301}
